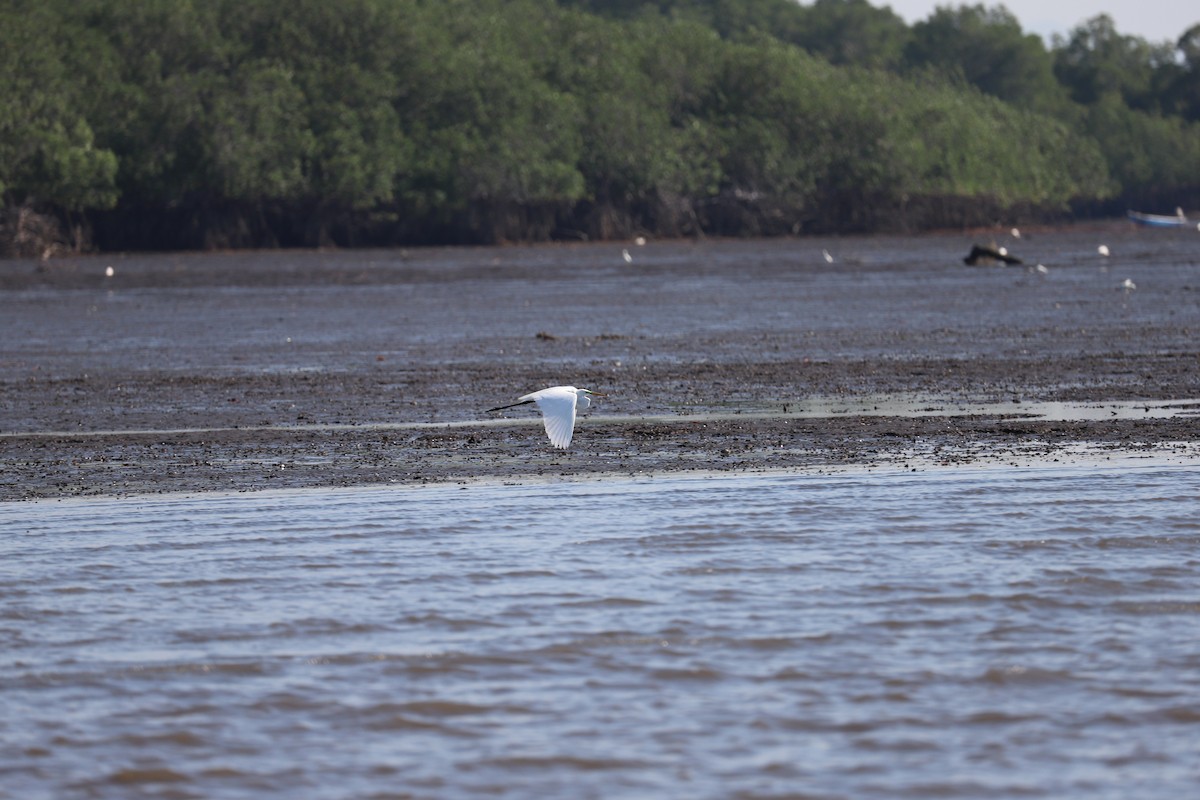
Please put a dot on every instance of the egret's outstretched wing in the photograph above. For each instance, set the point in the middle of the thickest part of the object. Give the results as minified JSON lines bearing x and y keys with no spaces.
{"x":558,"y":414}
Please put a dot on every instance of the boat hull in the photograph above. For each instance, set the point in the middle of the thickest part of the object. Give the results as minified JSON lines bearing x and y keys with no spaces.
{"x":1160,"y":220}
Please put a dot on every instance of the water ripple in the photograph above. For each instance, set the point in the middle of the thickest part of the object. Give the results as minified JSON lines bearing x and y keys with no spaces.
{"x":992,"y":633}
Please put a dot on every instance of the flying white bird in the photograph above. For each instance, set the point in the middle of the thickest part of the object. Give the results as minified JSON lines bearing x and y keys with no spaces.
{"x":557,"y":404}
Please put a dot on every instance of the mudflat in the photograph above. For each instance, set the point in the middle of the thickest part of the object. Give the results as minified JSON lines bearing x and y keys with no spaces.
{"x":251,"y":370}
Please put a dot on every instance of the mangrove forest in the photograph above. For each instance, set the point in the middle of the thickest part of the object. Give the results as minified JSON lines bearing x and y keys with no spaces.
{"x":179,"y":124}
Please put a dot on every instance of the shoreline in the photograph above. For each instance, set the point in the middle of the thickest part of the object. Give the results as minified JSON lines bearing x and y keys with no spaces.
{"x":44,"y":466}
{"x":1093,"y":457}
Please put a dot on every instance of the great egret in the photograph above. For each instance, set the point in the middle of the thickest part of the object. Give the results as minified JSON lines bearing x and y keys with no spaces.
{"x":557,"y":404}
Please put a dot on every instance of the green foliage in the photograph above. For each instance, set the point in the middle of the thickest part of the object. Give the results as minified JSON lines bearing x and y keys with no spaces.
{"x":1146,"y":151}
{"x":987,"y":49}
{"x":1096,"y":61}
{"x":493,"y":129}
{"x":853,"y":33}
{"x":1180,"y":80}
{"x":47,"y":148}
{"x":475,"y":120}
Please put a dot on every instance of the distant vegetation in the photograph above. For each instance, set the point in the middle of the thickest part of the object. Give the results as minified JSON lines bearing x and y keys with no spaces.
{"x":170,"y":124}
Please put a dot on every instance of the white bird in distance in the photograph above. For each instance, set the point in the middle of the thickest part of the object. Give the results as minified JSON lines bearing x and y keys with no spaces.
{"x":558,"y":405}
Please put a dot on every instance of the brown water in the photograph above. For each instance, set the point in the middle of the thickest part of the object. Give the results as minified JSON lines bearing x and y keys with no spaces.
{"x":954,"y":633}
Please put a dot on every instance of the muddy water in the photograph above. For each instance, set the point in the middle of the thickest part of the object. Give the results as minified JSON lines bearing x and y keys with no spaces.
{"x":953,"y":633}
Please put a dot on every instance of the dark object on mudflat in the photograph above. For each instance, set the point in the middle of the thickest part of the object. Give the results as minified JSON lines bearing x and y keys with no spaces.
{"x":988,"y":255}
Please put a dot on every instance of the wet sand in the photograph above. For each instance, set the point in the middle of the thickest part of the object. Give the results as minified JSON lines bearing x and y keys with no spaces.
{"x":244,"y":371}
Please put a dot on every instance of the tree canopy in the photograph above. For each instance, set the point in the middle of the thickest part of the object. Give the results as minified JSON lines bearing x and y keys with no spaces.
{"x":181,"y":123}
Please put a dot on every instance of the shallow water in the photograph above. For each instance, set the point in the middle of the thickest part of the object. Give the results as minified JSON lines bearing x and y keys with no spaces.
{"x":950,"y":633}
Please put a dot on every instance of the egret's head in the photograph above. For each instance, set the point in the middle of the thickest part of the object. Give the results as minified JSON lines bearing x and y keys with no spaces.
{"x":584,"y":397}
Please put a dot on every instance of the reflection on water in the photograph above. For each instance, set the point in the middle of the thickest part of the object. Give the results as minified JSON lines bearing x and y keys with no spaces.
{"x":949,"y":633}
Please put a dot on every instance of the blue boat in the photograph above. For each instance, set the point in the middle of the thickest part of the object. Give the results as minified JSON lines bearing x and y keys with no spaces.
{"x":1179,"y":220}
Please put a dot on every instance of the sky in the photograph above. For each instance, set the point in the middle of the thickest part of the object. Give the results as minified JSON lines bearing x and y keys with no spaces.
{"x":1154,"y":20}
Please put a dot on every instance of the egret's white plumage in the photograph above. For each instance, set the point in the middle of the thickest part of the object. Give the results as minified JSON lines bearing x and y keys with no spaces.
{"x":558,"y":405}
